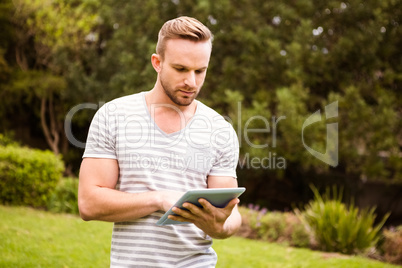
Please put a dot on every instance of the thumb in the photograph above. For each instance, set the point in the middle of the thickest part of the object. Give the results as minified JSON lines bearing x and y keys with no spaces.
{"x":232,"y":203}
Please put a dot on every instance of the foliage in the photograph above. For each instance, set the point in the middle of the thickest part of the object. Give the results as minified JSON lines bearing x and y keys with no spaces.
{"x":250,"y":222}
{"x":377,"y":156}
{"x":274,"y":64}
{"x":28,"y":176}
{"x":64,"y":197}
{"x":273,"y":226}
{"x":277,"y":59}
{"x":299,"y":235}
{"x":31,"y":238}
{"x":392,"y":245}
{"x":339,"y":227}
{"x":7,"y":140}
{"x":293,"y":58}
{"x":48,"y":34}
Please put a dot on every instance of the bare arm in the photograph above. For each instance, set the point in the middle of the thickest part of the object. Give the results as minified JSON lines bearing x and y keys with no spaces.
{"x":216,"y":222}
{"x":98,"y":199}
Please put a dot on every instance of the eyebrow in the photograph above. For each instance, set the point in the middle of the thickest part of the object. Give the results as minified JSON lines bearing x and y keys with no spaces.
{"x":185,"y":67}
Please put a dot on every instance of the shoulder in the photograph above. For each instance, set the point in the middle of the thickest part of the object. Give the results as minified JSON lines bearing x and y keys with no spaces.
{"x":222,"y":132}
{"x":130,"y":103}
{"x":129,"y":100}
{"x":216,"y":119}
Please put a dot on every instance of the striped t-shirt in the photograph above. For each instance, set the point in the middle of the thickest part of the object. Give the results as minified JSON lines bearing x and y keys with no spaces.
{"x":151,"y":160}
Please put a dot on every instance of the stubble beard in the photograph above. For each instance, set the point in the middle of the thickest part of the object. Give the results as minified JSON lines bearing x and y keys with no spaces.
{"x":170,"y":92}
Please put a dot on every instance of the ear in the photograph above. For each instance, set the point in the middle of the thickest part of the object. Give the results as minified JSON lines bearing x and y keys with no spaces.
{"x":156,"y":62}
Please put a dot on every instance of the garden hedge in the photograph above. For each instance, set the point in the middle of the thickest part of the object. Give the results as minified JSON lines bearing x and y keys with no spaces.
{"x":28,"y":176}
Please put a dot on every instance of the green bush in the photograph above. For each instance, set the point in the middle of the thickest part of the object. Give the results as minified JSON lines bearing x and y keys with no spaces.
{"x":295,"y":231}
{"x":250,"y":220}
{"x":281,"y":227}
{"x":338,"y":227}
{"x":28,"y":176}
{"x":392,"y":245}
{"x":65,"y":197}
{"x":6,"y":139}
{"x":273,"y":226}
{"x":299,"y":236}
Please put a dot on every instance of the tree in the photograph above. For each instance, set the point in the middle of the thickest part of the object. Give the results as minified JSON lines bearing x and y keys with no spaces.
{"x":274,"y":64}
{"x":46,"y":33}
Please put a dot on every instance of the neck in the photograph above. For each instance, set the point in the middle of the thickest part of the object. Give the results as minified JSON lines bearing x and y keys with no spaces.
{"x":168,"y":116}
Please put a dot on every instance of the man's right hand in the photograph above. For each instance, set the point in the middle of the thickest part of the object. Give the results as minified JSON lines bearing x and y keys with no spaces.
{"x":99,"y":200}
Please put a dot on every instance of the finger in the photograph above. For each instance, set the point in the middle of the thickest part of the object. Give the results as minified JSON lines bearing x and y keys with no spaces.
{"x":192,"y":208}
{"x":208,"y":207}
{"x":178,"y":218}
{"x":183,"y":213}
{"x":231,"y":205}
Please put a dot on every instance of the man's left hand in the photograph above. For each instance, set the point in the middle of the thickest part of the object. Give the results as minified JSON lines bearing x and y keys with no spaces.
{"x":210,"y":219}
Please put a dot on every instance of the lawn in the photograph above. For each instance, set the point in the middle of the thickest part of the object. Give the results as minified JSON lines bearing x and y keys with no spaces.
{"x":32,"y":238}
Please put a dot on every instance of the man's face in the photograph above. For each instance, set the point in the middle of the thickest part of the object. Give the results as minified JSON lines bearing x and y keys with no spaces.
{"x":183,"y":69}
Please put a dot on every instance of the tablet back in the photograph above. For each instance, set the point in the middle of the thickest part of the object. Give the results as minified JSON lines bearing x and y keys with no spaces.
{"x":219,"y":197}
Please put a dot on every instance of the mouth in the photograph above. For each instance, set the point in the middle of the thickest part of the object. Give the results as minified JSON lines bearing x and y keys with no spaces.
{"x":187,"y":93}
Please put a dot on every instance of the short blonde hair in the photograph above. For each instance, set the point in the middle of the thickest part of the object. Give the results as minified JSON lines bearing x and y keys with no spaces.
{"x":182,"y":28}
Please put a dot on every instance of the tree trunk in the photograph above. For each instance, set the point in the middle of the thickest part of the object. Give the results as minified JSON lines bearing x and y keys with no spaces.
{"x":52,"y":136}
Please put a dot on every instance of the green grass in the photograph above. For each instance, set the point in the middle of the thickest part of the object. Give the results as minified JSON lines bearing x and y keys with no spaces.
{"x":32,"y":238}
{"x":240,"y":252}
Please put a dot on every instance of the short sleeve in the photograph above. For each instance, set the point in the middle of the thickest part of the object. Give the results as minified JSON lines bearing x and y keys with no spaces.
{"x":101,"y":140}
{"x":227,"y":145}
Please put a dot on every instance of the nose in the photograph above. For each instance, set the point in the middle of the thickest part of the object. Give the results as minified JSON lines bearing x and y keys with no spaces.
{"x":190,"y":80}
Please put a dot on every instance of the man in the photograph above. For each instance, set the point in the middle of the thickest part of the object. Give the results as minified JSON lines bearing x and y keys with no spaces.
{"x":145,"y":150}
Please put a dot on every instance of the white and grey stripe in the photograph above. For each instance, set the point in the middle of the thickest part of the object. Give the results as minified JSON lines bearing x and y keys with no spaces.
{"x":151,"y":160}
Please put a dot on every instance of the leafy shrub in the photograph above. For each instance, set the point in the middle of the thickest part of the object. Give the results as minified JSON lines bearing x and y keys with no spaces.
{"x":300,"y":237}
{"x":7,"y":140}
{"x":65,"y":197}
{"x":273,"y":226}
{"x":338,"y":227}
{"x":250,"y":222}
{"x":28,"y":176}
{"x":295,"y":231}
{"x":284,"y":227}
{"x":392,"y":245}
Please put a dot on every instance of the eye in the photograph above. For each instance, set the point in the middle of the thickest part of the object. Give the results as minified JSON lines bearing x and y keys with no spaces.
{"x":200,"y":71}
{"x":180,"y":69}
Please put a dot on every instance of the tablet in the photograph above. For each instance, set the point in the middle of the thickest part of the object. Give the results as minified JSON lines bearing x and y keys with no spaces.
{"x":219,"y":197}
